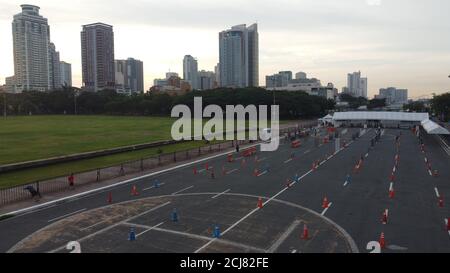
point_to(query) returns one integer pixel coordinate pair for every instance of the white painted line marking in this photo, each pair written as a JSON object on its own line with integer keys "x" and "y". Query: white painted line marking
{"x": 66, "y": 215}
{"x": 152, "y": 187}
{"x": 326, "y": 209}
{"x": 308, "y": 151}
{"x": 431, "y": 174}
{"x": 437, "y": 192}
{"x": 185, "y": 189}
{"x": 346, "y": 183}
{"x": 232, "y": 171}
{"x": 257, "y": 209}
{"x": 294, "y": 251}
{"x": 239, "y": 158}
{"x": 215, "y": 196}
{"x": 283, "y": 236}
{"x": 391, "y": 187}
{"x": 263, "y": 173}
{"x": 101, "y": 222}
{"x": 94, "y": 225}
{"x": 262, "y": 159}
{"x": 149, "y": 229}
{"x": 287, "y": 161}
{"x": 367, "y": 155}
{"x": 112, "y": 226}
{"x": 446, "y": 225}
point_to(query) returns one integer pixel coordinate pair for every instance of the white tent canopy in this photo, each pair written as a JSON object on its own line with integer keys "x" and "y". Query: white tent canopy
{"x": 389, "y": 116}
{"x": 433, "y": 128}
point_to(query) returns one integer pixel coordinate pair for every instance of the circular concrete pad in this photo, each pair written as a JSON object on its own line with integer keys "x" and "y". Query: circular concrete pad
{"x": 277, "y": 227}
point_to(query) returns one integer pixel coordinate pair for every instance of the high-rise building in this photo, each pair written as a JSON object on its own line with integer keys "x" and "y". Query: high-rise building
{"x": 239, "y": 56}
{"x": 55, "y": 67}
{"x": 32, "y": 51}
{"x": 190, "y": 71}
{"x": 282, "y": 79}
{"x": 393, "y": 95}
{"x": 206, "y": 80}
{"x": 129, "y": 76}
{"x": 356, "y": 86}
{"x": 171, "y": 74}
{"x": 66, "y": 74}
{"x": 97, "y": 50}
{"x": 217, "y": 72}
{"x": 300, "y": 76}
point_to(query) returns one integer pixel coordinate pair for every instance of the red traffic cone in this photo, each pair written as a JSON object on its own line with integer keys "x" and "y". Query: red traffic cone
{"x": 207, "y": 166}
{"x": 305, "y": 234}
{"x": 384, "y": 220}
{"x": 391, "y": 193}
{"x": 194, "y": 170}
{"x": 448, "y": 224}
{"x": 392, "y": 178}
{"x": 134, "y": 191}
{"x": 325, "y": 203}
{"x": 441, "y": 202}
{"x": 260, "y": 203}
{"x": 110, "y": 198}
{"x": 382, "y": 241}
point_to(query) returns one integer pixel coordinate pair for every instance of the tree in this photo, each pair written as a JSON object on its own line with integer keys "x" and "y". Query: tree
{"x": 441, "y": 106}
{"x": 376, "y": 103}
{"x": 415, "y": 106}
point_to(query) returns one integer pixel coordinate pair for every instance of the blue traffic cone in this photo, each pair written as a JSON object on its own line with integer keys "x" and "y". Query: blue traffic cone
{"x": 174, "y": 215}
{"x": 296, "y": 178}
{"x": 132, "y": 235}
{"x": 156, "y": 184}
{"x": 349, "y": 178}
{"x": 216, "y": 232}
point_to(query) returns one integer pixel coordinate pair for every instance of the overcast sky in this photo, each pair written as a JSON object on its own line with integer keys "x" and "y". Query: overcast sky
{"x": 402, "y": 43}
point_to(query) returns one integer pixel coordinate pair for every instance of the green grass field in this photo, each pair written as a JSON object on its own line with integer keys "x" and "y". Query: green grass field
{"x": 27, "y": 138}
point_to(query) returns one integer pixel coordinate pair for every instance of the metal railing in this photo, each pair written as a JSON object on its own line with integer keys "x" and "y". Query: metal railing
{"x": 61, "y": 184}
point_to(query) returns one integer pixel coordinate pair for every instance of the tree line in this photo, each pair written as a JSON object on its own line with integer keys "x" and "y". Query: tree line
{"x": 293, "y": 105}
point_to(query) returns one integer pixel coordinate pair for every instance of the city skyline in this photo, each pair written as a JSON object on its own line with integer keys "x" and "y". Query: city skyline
{"x": 392, "y": 47}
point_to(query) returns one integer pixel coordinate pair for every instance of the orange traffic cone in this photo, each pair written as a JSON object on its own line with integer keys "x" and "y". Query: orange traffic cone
{"x": 110, "y": 198}
{"x": 382, "y": 241}
{"x": 288, "y": 183}
{"x": 134, "y": 191}
{"x": 260, "y": 203}
{"x": 325, "y": 203}
{"x": 384, "y": 220}
{"x": 305, "y": 234}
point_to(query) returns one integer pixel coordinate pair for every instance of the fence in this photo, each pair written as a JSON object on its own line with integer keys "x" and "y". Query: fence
{"x": 60, "y": 184}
